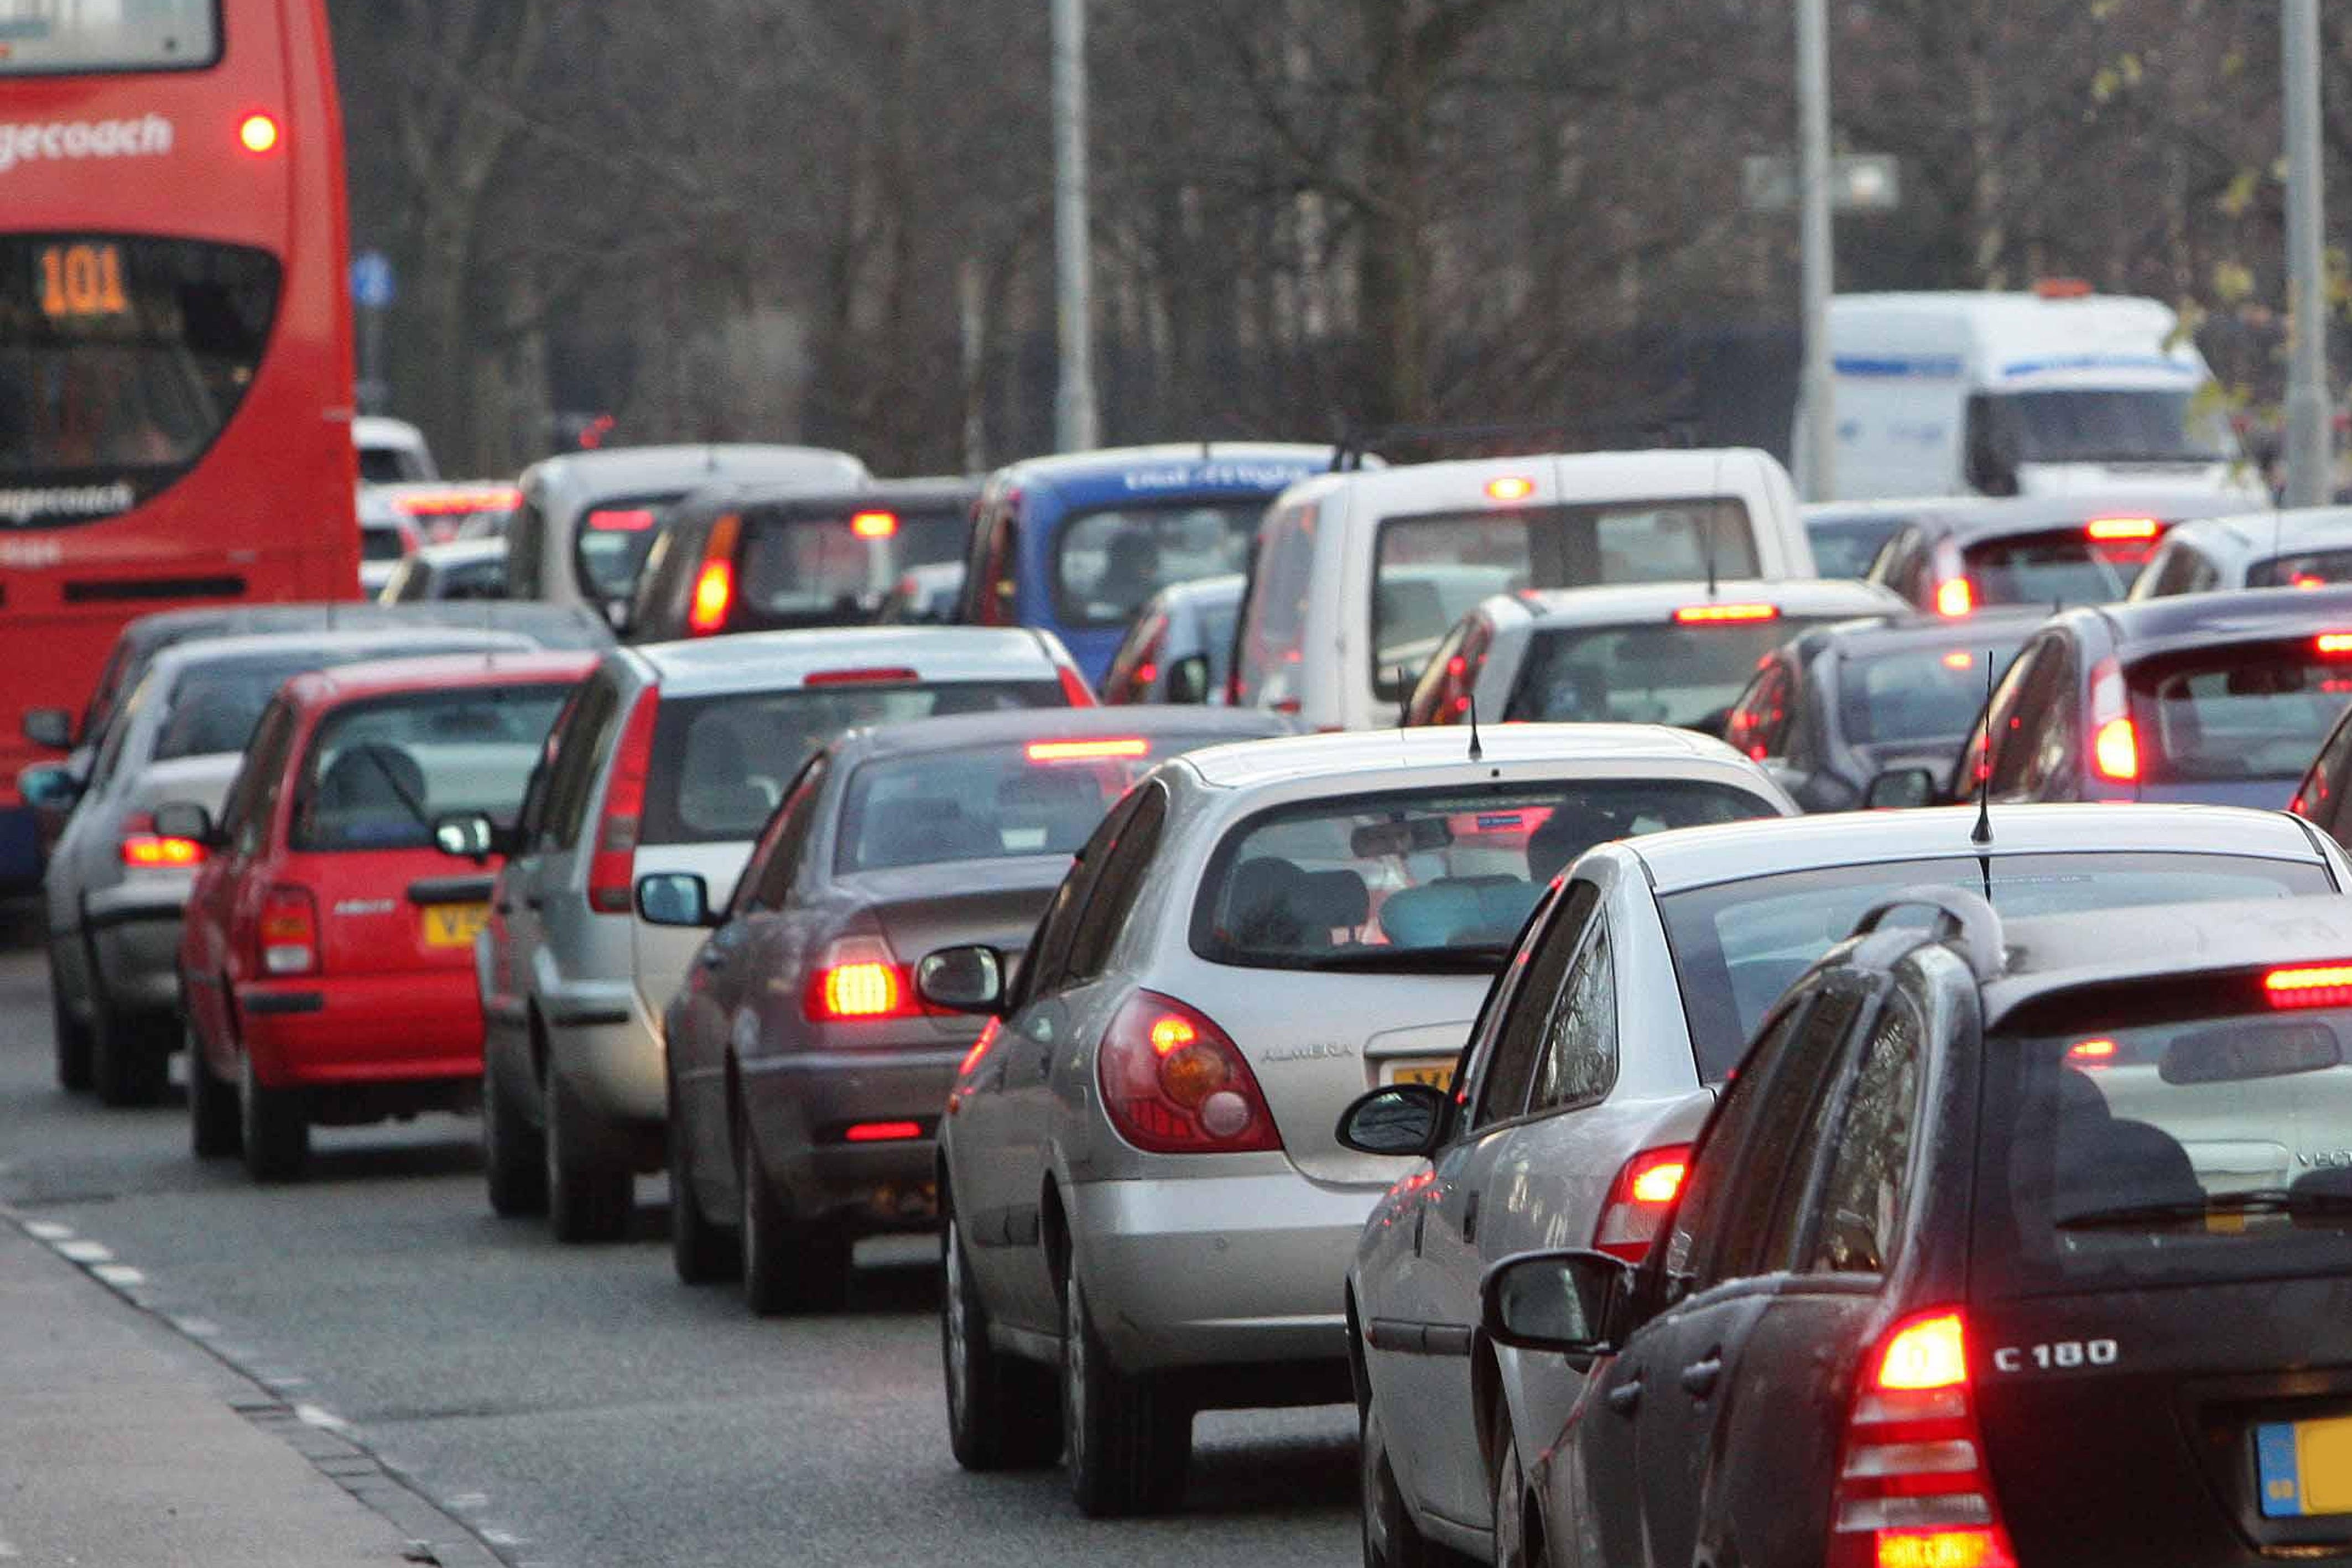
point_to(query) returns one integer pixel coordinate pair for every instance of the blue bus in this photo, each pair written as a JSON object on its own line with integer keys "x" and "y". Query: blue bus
{"x": 1076, "y": 544}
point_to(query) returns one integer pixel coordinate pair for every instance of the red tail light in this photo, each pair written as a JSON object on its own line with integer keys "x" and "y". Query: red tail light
{"x": 145, "y": 849}
{"x": 2114, "y": 740}
{"x": 881, "y": 1132}
{"x": 988, "y": 1032}
{"x": 2105, "y": 528}
{"x": 289, "y": 932}
{"x": 2314, "y": 986}
{"x": 714, "y": 585}
{"x": 1086, "y": 750}
{"x": 1724, "y": 615}
{"x": 1075, "y": 690}
{"x": 1639, "y": 1201}
{"x": 612, "y": 867}
{"x": 893, "y": 674}
{"x": 860, "y": 980}
{"x": 2334, "y": 645}
{"x": 1955, "y": 598}
{"x": 1175, "y": 1083}
{"x": 627, "y": 520}
{"x": 1912, "y": 1490}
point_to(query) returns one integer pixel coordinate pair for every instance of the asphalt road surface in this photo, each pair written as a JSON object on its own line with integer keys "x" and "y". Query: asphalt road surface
{"x": 577, "y": 1406}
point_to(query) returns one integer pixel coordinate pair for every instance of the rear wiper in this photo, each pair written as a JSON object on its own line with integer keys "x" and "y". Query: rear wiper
{"x": 2262, "y": 1200}
{"x": 1471, "y": 960}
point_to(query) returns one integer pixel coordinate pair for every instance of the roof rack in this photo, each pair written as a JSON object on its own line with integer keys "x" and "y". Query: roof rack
{"x": 1676, "y": 432}
{"x": 1967, "y": 920}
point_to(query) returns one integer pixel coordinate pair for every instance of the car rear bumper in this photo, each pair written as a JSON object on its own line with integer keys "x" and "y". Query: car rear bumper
{"x": 1219, "y": 1270}
{"x": 803, "y": 1109}
{"x": 361, "y": 1029}
{"x": 609, "y": 1051}
{"x": 134, "y": 941}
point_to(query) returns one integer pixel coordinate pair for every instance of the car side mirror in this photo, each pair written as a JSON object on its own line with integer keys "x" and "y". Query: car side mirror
{"x": 1901, "y": 788}
{"x": 49, "y": 786}
{"x": 465, "y": 835}
{"x": 1574, "y": 1302}
{"x": 616, "y": 615}
{"x": 50, "y": 729}
{"x": 962, "y": 980}
{"x": 674, "y": 898}
{"x": 1402, "y": 1119}
{"x": 185, "y": 819}
{"x": 1187, "y": 679}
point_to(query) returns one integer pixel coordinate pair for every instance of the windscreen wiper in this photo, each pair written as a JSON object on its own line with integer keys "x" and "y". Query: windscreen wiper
{"x": 1482, "y": 958}
{"x": 2262, "y": 1200}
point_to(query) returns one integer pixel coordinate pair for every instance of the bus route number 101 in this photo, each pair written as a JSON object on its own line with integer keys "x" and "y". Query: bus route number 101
{"x": 82, "y": 280}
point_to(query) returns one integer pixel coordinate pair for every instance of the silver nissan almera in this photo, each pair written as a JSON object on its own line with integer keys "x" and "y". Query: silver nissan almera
{"x": 1143, "y": 1195}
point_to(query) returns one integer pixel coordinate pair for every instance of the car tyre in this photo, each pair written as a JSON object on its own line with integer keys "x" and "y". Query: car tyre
{"x": 589, "y": 1194}
{"x": 787, "y": 1268}
{"x": 701, "y": 1252}
{"x": 1003, "y": 1413}
{"x": 129, "y": 1056}
{"x": 1391, "y": 1539}
{"x": 272, "y": 1125}
{"x": 72, "y": 1037}
{"x": 1129, "y": 1442}
{"x": 514, "y": 1153}
{"x": 214, "y": 1118}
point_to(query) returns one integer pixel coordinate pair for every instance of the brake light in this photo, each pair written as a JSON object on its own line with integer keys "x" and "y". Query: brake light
{"x": 2114, "y": 740}
{"x": 714, "y": 585}
{"x": 1955, "y": 598}
{"x": 988, "y": 1032}
{"x": 2106, "y": 528}
{"x": 2316, "y": 986}
{"x": 145, "y": 849}
{"x": 1959, "y": 659}
{"x": 289, "y": 932}
{"x": 2336, "y": 645}
{"x": 882, "y": 1131}
{"x": 623, "y": 520}
{"x": 258, "y": 134}
{"x": 2092, "y": 1052}
{"x": 1912, "y": 1490}
{"x": 1075, "y": 690}
{"x": 1639, "y": 1201}
{"x": 2061, "y": 288}
{"x": 458, "y": 503}
{"x": 1175, "y": 1083}
{"x": 860, "y": 980}
{"x": 1721, "y": 614}
{"x": 1511, "y": 488}
{"x": 2304, "y": 580}
{"x": 612, "y": 867}
{"x": 866, "y": 677}
{"x": 1086, "y": 750}
{"x": 874, "y": 525}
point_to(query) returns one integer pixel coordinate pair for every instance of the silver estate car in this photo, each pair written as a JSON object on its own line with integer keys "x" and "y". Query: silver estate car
{"x": 115, "y": 889}
{"x": 1142, "y": 1187}
{"x": 805, "y": 1079}
{"x": 671, "y": 758}
{"x": 1633, "y": 996}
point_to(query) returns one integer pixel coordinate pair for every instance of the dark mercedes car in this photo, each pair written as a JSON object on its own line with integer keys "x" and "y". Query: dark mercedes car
{"x": 806, "y": 1077}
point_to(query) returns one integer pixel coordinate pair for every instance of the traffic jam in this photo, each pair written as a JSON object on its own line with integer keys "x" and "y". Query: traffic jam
{"x": 1712, "y": 1062}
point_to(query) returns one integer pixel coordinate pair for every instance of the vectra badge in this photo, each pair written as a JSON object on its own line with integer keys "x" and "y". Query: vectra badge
{"x": 1309, "y": 1052}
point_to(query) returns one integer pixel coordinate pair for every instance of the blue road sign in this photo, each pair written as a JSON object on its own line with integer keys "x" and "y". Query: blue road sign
{"x": 372, "y": 285}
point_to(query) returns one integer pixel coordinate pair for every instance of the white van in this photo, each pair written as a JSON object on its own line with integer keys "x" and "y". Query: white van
{"x": 1357, "y": 576}
{"x": 2054, "y": 392}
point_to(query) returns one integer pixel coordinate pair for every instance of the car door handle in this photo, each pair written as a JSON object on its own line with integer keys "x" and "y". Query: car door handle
{"x": 1470, "y": 1218}
{"x": 1699, "y": 1377}
{"x": 1625, "y": 1398}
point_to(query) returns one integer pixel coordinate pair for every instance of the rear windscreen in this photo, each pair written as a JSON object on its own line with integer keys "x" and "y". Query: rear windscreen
{"x": 1015, "y": 798}
{"x": 213, "y": 707}
{"x": 720, "y": 763}
{"x": 379, "y": 771}
{"x": 2214, "y": 1143}
{"x": 809, "y": 571}
{"x": 2223, "y": 714}
{"x": 122, "y": 360}
{"x": 1844, "y": 546}
{"x": 1917, "y": 695}
{"x": 53, "y": 39}
{"x": 1430, "y": 571}
{"x": 1657, "y": 673}
{"x": 1739, "y": 944}
{"x": 382, "y": 544}
{"x": 612, "y": 539}
{"x": 2312, "y": 569}
{"x": 2060, "y": 568}
{"x": 1431, "y": 881}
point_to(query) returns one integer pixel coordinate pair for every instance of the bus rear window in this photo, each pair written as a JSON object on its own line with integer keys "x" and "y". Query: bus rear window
{"x": 128, "y": 35}
{"x": 122, "y": 360}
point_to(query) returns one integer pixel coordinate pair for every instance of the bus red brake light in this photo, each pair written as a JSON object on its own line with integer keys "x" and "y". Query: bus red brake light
{"x": 1723, "y": 614}
{"x": 258, "y": 134}
{"x": 1955, "y": 599}
{"x": 1639, "y": 1201}
{"x": 612, "y": 867}
{"x": 1086, "y": 750}
{"x": 2107, "y": 528}
{"x": 874, "y": 525}
{"x": 1175, "y": 1083}
{"x": 2312, "y": 986}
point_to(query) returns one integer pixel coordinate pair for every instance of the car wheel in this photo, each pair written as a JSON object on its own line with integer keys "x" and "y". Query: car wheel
{"x": 1391, "y": 1539}
{"x": 1509, "y": 1499}
{"x": 129, "y": 1055}
{"x": 589, "y": 1191}
{"x": 1003, "y": 1412}
{"x": 214, "y": 1117}
{"x": 1129, "y": 1443}
{"x": 72, "y": 1037}
{"x": 514, "y": 1153}
{"x": 271, "y": 1123}
{"x": 701, "y": 1252}
{"x": 787, "y": 1268}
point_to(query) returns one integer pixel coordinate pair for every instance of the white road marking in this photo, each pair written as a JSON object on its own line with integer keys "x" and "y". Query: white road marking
{"x": 86, "y": 1252}
{"x": 120, "y": 1275}
{"x": 48, "y": 1230}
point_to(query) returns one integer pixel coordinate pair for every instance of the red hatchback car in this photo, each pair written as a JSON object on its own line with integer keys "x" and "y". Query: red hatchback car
{"x": 327, "y": 961}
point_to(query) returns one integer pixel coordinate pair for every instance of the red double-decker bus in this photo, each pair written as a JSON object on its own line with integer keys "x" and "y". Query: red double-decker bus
{"x": 175, "y": 336}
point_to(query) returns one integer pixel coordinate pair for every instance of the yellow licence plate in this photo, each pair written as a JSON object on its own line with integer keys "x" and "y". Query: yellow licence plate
{"x": 1437, "y": 1075}
{"x": 454, "y": 924}
{"x": 2306, "y": 1467}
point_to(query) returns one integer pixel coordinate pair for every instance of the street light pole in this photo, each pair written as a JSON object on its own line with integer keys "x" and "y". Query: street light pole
{"x": 1074, "y": 399}
{"x": 2309, "y": 428}
{"x": 1818, "y": 461}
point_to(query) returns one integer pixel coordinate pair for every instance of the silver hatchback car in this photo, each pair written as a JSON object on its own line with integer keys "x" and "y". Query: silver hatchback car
{"x": 1140, "y": 1175}
{"x": 670, "y": 759}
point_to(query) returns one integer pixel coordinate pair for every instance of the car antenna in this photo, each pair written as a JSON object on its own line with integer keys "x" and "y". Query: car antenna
{"x": 1714, "y": 512}
{"x": 1982, "y": 832}
{"x": 1477, "y": 752}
